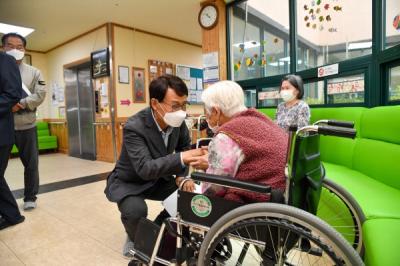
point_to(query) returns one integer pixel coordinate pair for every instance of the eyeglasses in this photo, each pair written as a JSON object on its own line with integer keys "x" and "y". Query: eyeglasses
{"x": 11, "y": 47}
{"x": 176, "y": 107}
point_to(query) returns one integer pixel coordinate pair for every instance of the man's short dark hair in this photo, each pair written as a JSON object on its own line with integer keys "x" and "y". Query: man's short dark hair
{"x": 160, "y": 85}
{"x": 297, "y": 82}
{"x": 12, "y": 34}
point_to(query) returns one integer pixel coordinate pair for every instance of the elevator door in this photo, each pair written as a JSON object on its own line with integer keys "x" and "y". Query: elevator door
{"x": 80, "y": 112}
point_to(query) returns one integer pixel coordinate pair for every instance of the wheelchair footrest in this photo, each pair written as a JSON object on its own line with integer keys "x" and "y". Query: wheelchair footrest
{"x": 145, "y": 239}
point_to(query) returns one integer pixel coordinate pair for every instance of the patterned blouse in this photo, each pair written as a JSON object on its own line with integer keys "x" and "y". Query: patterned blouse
{"x": 224, "y": 158}
{"x": 298, "y": 114}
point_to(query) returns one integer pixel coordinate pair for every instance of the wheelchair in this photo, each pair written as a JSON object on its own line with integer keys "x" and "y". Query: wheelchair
{"x": 283, "y": 231}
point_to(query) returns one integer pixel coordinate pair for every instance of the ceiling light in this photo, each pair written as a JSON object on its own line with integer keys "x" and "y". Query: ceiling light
{"x": 359, "y": 45}
{"x": 7, "y": 28}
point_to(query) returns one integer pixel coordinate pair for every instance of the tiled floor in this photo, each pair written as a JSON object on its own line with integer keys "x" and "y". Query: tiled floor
{"x": 74, "y": 226}
{"x": 55, "y": 167}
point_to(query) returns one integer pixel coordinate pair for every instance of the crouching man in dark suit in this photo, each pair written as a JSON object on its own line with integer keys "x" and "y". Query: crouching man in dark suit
{"x": 154, "y": 154}
{"x": 10, "y": 94}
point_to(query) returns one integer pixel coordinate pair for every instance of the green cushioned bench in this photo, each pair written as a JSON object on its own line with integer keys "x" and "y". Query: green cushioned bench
{"x": 45, "y": 140}
{"x": 369, "y": 168}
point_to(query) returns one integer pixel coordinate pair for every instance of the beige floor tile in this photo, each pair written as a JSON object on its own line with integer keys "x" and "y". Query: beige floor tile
{"x": 40, "y": 228}
{"x": 74, "y": 226}
{"x": 7, "y": 257}
{"x": 55, "y": 167}
{"x": 76, "y": 249}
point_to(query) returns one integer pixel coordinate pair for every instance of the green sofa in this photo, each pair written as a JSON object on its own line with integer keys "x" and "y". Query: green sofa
{"x": 369, "y": 168}
{"x": 45, "y": 140}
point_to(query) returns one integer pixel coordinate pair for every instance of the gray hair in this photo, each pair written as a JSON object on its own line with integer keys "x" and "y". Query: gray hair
{"x": 226, "y": 95}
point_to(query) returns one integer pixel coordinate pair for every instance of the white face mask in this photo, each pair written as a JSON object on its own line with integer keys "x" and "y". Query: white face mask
{"x": 287, "y": 95}
{"x": 17, "y": 54}
{"x": 214, "y": 129}
{"x": 174, "y": 119}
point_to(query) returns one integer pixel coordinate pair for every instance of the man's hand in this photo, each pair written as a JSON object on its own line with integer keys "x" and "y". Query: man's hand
{"x": 188, "y": 184}
{"x": 191, "y": 155}
{"x": 17, "y": 107}
{"x": 200, "y": 162}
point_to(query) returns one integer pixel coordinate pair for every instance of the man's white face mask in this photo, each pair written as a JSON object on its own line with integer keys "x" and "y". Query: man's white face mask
{"x": 174, "y": 119}
{"x": 17, "y": 54}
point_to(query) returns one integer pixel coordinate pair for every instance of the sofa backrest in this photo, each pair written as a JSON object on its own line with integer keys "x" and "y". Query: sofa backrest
{"x": 42, "y": 128}
{"x": 377, "y": 151}
{"x": 333, "y": 149}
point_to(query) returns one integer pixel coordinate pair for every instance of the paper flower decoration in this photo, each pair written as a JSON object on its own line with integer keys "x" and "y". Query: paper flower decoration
{"x": 337, "y": 8}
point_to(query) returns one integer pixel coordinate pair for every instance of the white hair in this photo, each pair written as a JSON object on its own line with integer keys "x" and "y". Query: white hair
{"x": 226, "y": 95}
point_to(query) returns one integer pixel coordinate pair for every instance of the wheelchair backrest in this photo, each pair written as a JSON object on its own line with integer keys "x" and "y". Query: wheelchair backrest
{"x": 306, "y": 175}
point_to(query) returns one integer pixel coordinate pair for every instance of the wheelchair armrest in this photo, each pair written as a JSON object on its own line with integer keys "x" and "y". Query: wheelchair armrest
{"x": 230, "y": 182}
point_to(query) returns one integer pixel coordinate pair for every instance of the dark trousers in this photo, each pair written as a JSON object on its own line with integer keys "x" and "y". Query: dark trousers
{"x": 27, "y": 144}
{"x": 8, "y": 206}
{"x": 133, "y": 208}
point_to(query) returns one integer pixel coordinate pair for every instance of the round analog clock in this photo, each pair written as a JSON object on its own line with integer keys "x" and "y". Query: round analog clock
{"x": 208, "y": 16}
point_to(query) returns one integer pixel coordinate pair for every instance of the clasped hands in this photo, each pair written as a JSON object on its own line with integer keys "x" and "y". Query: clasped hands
{"x": 198, "y": 158}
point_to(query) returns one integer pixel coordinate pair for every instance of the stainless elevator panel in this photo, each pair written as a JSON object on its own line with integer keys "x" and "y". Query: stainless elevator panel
{"x": 86, "y": 114}
{"x": 79, "y": 101}
{"x": 72, "y": 112}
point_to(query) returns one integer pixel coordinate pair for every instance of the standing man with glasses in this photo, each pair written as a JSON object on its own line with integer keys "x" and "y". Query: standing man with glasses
{"x": 154, "y": 155}
{"x": 33, "y": 94}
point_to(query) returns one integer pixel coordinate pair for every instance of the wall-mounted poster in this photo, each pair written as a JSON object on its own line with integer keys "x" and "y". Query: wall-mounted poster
{"x": 139, "y": 89}
{"x": 100, "y": 63}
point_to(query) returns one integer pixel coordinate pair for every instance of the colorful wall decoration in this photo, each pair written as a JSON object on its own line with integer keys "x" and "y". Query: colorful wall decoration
{"x": 318, "y": 14}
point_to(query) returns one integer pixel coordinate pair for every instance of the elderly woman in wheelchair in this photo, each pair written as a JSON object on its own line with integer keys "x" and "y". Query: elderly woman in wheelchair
{"x": 261, "y": 193}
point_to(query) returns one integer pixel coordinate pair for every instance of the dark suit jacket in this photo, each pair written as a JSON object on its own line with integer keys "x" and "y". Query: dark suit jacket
{"x": 10, "y": 94}
{"x": 144, "y": 158}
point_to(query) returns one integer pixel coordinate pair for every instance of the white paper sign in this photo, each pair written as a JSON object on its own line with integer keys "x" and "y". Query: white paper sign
{"x": 210, "y": 60}
{"x": 328, "y": 70}
{"x": 211, "y": 74}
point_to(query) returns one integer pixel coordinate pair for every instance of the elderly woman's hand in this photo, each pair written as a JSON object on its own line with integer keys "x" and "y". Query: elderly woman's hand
{"x": 200, "y": 162}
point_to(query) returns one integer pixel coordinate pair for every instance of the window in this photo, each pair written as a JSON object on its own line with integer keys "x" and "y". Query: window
{"x": 328, "y": 33}
{"x": 314, "y": 92}
{"x": 394, "y": 84}
{"x": 269, "y": 97}
{"x": 259, "y": 39}
{"x": 348, "y": 89}
{"x": 392, "y": 23}
{"x": 250, "y": 98}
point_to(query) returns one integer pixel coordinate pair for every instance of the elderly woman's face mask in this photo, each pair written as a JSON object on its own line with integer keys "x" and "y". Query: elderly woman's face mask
{"x": 214, "y": 115}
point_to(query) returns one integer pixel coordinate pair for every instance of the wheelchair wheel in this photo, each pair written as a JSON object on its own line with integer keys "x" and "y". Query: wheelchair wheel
{"x": 339, "y": 209}
{"x": 276, "y": 234}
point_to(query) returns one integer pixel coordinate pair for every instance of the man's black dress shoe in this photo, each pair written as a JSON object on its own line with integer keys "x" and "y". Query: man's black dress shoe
{"x": 4, "y": 223}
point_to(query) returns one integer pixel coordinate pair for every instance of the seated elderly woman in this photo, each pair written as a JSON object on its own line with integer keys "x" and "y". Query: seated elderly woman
{"x": 247, "y": 145}
{"x": 293, "y": 111}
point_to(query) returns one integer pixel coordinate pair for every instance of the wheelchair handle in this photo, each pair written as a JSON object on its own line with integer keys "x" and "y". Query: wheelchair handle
{"x": 337, "y": 123}
{"x": 337, "y": 131}
{"x": 348, "y": 124}
{"x": 230, "y": 182}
